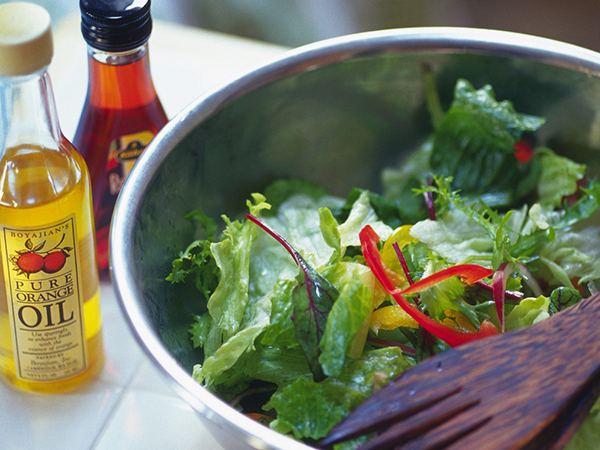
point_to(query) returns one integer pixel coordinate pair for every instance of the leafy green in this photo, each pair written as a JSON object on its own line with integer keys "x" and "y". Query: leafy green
{"x": 583, "y": 208}
{"x": 576, "y": 254}
{"x": 527, "y": 312}
{"x": 281, "y": 329}
{"x": 196, "y": 263}
{"x": 404, "y": 208}
{"x": 278, "y": 365}
{"x": 313, "y": 299}
{"x": 474, "y": 145}
{"x": 207, "y": 224}
{"x": 232, "y": 255}
{"x": 298, "y": 221}
{"x": 281, "y": 190}
{"x": 361, "y": 214}
{"x": 558, "y": 178}
{"x": 200, "y": 329}
{"x": 331, "y": 232}
{"x": 455, "y": 237}
{"x": 271, "y": 364}
{"x": 309, "y": 409}
{"x": 255, "y": 321}
{"x": 347, "y": 316}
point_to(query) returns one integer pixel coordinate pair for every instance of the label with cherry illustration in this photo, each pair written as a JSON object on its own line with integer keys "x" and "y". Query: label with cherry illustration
{"x": 45, "y": 301}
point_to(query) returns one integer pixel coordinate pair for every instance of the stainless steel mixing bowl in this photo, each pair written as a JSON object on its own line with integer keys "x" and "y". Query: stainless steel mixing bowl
{"x": 335, "y": 113}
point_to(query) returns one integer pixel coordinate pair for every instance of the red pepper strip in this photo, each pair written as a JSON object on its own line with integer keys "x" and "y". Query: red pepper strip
{"x": 470, "y": 274}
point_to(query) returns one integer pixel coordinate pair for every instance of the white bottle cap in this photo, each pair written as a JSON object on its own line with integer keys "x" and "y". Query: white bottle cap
{"x": 25, "y": 38}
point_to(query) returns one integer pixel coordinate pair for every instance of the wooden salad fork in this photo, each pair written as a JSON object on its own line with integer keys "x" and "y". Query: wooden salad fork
{"x": 526, "y": 389}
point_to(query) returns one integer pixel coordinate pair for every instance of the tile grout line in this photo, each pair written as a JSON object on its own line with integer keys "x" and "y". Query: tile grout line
{"x": 124, "y": 390}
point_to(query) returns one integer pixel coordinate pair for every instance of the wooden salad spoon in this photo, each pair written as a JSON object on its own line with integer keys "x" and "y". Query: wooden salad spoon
{"x": 526, "y": 389}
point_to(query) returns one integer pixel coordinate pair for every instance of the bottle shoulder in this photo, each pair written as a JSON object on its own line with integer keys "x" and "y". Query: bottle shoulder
{"x": 120, "y": 85}
{"x": 33, "y": 175}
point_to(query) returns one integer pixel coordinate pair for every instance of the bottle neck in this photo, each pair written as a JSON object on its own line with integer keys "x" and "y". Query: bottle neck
{"x": 28, "y": 114}
{"x": 120, "y": 80}
{"x": 120, "y": 58}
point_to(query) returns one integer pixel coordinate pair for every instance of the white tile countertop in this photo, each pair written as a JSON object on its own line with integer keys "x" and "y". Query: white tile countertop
{"x": 130, "y": 406}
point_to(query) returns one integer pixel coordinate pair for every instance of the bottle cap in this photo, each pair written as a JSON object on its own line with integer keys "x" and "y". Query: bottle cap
{"x": 115, "y": 25}
{"x": 25, "y": 38}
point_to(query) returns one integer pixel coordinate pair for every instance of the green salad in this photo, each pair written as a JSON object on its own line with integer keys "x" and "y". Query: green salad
{"x": 314, "y": 301}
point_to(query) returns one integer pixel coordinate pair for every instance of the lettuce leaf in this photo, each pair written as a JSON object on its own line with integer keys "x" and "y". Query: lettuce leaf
{"x": 455, "y": 237}
{"x": 232, "y": 255}
{"x": 475, "y": 146}
{"x": 281, "y": 329}
{"x": 309, "y": 410}
{"x": 196, "y": 263}
{"x": 313, "y": 300}
{"x": 256, "y": 318}
{"x": 347, "y": 317}
{"x": 574, "y": 252}
{"x": 331, "y": 233}
{"x": 281, "y": 190}
{"x": 406, "y": 207}
{"x": 361, "y": 214}
{"x": 583, "y": 208}
{"x": 271, "y": 364}
{"x": 558, "y": 178}
{"x": 200, "y": 330}
{"x": 527, "y": 312}
{"x": 298, "y": 221}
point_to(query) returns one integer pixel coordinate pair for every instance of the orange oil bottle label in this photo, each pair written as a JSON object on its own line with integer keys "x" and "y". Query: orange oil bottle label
{"x": 123, "y": 153}
{"x": 45, "y": 300}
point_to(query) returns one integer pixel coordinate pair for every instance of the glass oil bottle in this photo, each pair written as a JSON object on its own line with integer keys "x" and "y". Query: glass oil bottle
{"x": 50, "y": 320}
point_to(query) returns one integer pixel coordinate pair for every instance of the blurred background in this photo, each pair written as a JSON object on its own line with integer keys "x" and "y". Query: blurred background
{"x": 297, "y": 22}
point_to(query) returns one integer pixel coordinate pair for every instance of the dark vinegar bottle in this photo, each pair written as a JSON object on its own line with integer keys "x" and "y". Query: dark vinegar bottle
{"x": 122, "y": 111}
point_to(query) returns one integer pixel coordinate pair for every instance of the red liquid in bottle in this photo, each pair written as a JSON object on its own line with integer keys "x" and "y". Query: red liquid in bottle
{"x": 122, "y": 113}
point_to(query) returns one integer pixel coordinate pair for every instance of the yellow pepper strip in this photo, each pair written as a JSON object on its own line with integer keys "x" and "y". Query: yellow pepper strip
{"x": 458, "y": 321}
{"x": 390, "y": 318}
{"x": 402, "y": 237}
